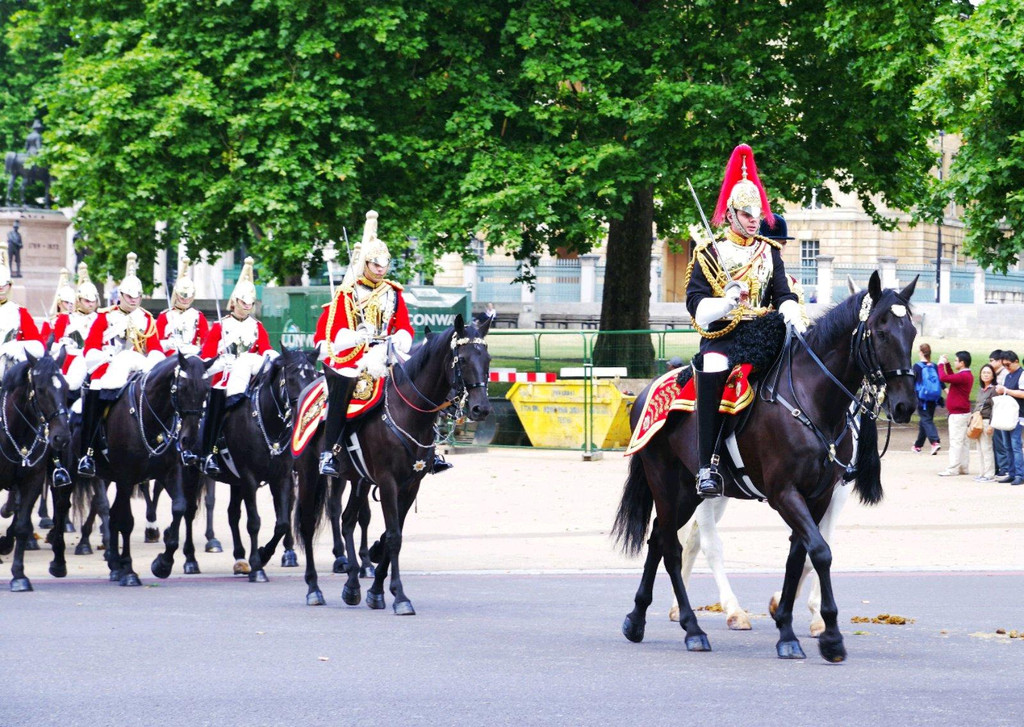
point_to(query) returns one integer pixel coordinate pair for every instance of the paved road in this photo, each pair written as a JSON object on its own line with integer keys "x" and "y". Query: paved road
{"x": 497, "y": 650}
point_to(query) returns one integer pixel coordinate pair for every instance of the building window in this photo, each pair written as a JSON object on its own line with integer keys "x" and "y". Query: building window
{"x": 809, "y": 251}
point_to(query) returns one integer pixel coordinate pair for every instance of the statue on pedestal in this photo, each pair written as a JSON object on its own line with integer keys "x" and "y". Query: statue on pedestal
{"x": 22, "y": 165}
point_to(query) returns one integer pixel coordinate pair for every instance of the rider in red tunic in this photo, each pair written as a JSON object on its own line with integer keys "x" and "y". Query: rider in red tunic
{"x": 121, "y": 341}
{"x": 18, "y": 331}
{"x": 353, "y": 331}
{"x": 181, "y": 327}
{"x": 241, "y": 345}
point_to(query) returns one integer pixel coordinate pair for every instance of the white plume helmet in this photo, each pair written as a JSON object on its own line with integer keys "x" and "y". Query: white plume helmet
{"x": 130, "y": 284}
{"x": 374, "y": 249}
{"x": 86, "y": 290}
{"x": 65, "y": 293}
{"x": 245, "y": 288}
{"x": 183, "y": 286}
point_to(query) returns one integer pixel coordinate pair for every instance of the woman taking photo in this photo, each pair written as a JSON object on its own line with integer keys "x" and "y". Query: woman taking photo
{"x": 987, "y": 388}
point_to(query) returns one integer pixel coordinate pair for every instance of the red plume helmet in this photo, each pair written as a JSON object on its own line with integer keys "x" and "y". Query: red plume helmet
{"x": 741, "y": 187}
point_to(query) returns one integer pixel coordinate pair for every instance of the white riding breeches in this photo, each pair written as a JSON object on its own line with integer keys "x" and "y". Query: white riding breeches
{"x": 124, "y": 364}
{"x": 715, "y": 362}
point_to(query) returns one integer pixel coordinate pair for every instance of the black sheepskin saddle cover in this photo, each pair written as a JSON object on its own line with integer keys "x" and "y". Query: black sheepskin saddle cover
{"x": 758, "y": 343}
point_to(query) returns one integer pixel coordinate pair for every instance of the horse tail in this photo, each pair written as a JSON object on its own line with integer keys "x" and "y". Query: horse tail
{"x": 81, "y": 498}
{"x": 634, "y": 513}
{"x": 319, "y": 501}
{"x": 869, "y": 464}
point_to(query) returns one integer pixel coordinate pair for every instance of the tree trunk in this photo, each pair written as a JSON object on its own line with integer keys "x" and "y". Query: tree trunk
{"x": 626, "y": 303}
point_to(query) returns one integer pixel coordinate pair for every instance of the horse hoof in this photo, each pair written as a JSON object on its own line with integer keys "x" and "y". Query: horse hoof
{"x": 817, "y": 626}
{"x": 69, "y": 527}
{"x": 161, "y": 566}
{"x": 367, "y": 571}
{"x": 83, "y": 549}
{"x": 289, "y": 559}
{"x": 698, "y": 642}
{"x": 340, "y": 565}
{"x": 738, "y": 621}
{"x": 790, "y": 650}
{"x": 115, "y": 576}
{"x": 375, "y": 600}
{"x": 130, "y": 579}
{"x": 241, "y": 568}
{"x": 832, "y": 650}
{"x": 58, "y": 570}
{"x": 258, "y": 576}
{"x": 152, "y": 535}
{"x": 6, "y": 545}
{"x": 351, "y": 596}
{"x": 633, "y": 631}
{"x": 315, "y": 598}
{"x": 213, "y": 546}
{"x": 32, "y": 543}
{"x": 673, "y": 614}
{"x": 45, "y": 523}
{"x": 376, "y": 552}
{"x": 20, "y": 585}
{"x": 191, "y": 568}
{"x": 403, "y": 608}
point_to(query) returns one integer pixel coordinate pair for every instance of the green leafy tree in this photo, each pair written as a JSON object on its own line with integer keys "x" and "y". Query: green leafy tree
{"x": 540, "y": 125}
{"x": 977, "y": 91}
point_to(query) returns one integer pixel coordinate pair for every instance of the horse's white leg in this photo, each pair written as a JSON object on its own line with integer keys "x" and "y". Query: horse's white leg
{"x": 704, "y": 526}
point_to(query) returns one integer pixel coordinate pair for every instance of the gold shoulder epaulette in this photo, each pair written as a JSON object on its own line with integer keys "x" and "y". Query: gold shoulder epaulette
{"x": 394, "y": 284}
{"x": 108, "y": 309}
{"x": 774, "y": 243}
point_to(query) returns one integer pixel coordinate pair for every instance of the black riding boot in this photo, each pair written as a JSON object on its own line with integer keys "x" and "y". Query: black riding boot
{"x": 339, "y": 394}
{"x": 92, "y": 408}
{"x": 708, "y": 387}
{"x": 440, "y": 464}
{"x": 212, "y": 424}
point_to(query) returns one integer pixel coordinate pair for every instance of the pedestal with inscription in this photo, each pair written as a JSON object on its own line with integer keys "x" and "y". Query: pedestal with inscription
{"x": 44, "y": 237}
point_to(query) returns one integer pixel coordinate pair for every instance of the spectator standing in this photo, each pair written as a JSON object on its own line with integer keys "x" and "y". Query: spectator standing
{"x": 958, "y": 403}
{"x": 1000, "y": 439}
{"x": 986, "y": 390}
{"x": 927, "y": 400}
{"x": 1012, "y": 385}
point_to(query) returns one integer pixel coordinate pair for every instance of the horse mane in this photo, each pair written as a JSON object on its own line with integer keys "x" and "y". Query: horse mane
{"x": 836, "y": 323}
{"x": 13, "y": 374}
{"x": 422, "y": 353}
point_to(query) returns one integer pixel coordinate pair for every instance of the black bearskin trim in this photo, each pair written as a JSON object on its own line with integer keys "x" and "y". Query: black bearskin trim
{"x": 758, "y": 342}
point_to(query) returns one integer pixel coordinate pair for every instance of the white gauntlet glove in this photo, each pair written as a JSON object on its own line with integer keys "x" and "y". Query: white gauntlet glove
{"x": 710, "y": 310}
{"x": 793, "y": 315}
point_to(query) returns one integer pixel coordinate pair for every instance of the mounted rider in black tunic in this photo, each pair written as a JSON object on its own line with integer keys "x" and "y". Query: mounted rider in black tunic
{"x": 731, "y": 280}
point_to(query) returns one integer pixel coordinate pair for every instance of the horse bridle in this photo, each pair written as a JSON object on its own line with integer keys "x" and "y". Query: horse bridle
{"x": 872, "y": 396}
{"x": 459, "y": 391}
{"x": 284, "y": 413}
{"x": 41, "y": 433}
{"x": 171, "y": 432}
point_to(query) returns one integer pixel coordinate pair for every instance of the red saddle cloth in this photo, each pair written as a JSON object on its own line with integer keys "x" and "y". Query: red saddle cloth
{"x": 667, "y": 396}
{"x": 312, "y": 410}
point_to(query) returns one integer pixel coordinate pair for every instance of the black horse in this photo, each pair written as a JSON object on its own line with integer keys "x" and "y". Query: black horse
{"x": 343, "y": 525}
{"x": 33, "y": 430}
{"x": 148, "y": 429}
{"x": 447, "y": 372}
{"x": 793, "y": 445}
{"x": 16, "y": 165}
{"x": 257, "y": 434}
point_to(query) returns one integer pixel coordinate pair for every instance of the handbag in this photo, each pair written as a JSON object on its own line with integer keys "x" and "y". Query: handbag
{"x": 975, "y": 426}
{"x": 1005, "y": 412}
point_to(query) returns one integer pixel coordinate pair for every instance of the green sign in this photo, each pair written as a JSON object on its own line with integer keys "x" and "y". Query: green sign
{"x": 290, "y": 313}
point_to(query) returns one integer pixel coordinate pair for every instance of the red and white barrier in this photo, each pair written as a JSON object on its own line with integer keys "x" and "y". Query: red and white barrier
{"x": 510, "y": 375}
